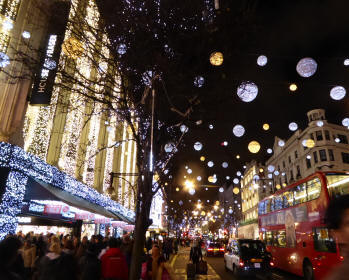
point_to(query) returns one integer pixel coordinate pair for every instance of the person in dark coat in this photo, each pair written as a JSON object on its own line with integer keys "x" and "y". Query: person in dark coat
{"x": 195, "y": 253}
{"x": 89, "y": 264}
{"x": 11, "y": 262}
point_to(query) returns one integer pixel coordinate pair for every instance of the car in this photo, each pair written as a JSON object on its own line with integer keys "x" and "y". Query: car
{"x": 248, "y": 257}
{"x": 215, "y": 249}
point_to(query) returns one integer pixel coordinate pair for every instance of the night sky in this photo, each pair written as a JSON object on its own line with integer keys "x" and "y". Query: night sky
{"x": 284, "y": 31}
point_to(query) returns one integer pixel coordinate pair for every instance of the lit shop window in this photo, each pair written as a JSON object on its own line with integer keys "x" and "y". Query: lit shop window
{"x": 9, "y": 8}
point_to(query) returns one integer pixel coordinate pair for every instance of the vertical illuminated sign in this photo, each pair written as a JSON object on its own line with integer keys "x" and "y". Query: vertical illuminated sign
{"x": 45, "y": 76}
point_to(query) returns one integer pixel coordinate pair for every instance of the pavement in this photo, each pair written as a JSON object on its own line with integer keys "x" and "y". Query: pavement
{"x": 216, "y": 269}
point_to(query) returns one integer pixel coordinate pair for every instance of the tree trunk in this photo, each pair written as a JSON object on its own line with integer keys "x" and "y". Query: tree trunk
{"x": 142, "y": 223}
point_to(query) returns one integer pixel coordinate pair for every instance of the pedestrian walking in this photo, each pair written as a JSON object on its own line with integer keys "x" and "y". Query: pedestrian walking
{"x": 337, "y": 219}
{"x": 195, "y": 253}
{"x": 89, "y": 264}
{"x": 28, "y": 252}
{"x": 11, "y": 268}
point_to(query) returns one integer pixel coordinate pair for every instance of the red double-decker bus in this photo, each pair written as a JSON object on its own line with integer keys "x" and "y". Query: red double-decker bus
{"x": 291, "y": 223}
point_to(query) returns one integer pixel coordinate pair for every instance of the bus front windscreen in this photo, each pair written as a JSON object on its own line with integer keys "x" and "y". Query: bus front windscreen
{"x": 337, "y": 184}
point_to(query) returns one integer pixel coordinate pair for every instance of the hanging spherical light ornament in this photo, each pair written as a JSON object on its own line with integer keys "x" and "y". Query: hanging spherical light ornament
{"x": 230, "y": 211}
{"x": 73, "y": 48}
{"x": 225, "y": 165}
{"x": 191, "y": 191}
{"x": 197, "y": 146}
{"x": 338, "y": 93}
{"x": 281, "y": 143}
{"x": 236, "y": 190}
{"x": 198, "y": 178}
{"x": 238, "y": 130}
{"x": 346, "y": 62}
{"x": 210, "y": 126}
{"x": 276, "y": 173}
{"x": 247, "y": 91}
{"x": 254, "y": 147}
{"x": 184, "y": 128}
{"x": 293, "y": 126}
{"x": 180, "y": 202}
{"x": 278, "y": 186}
{"x": 210, "y": 164}
{"x": 199, "y": 81}
{"x": 237, "y": 156}
{"x": 212, "y": 179}
{"x": 266, "y": 126}
{"x": 189, "y": 171}
{"x": 170, "y": 147}
{"x": 177, "y": 189}
{"x": 262, "y": 60}
{"x": 238, "y": 173}
{"x": 202, "y": 158}
{"x": 122, "y": 49}
{"x": 4, "y": 60}
{"x": 337, "y": 140}
{"x": 26, "y": 34}
{"x": 269, "y": 151}
{"x": 345, "y": 122}
{"x": 236, "y": 181}
{"x": 320, "y": 123}
{"x": 308, "y": 156}
{"x": 271, "y": 168}
{"x": 306, "y": 67}
{"x": 221, "y": 189}
{"x": 227, "y": 177}
{"x": 308, "y": 143}
{"x": 216, "y": 58}
{"x": 293, "y": 87}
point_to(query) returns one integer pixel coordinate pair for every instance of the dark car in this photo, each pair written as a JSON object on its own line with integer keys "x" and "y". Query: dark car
{"x": 248, "y": 257}
{"x": 215, "y": 249}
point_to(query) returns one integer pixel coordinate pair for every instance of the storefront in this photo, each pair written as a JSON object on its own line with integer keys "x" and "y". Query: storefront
{"x": 38, "y": 197}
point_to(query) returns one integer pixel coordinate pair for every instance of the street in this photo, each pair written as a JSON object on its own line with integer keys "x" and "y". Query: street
{"x": 216, "y": 269}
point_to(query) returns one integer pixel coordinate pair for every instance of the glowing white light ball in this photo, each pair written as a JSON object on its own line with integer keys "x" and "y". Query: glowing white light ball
{"x": 197, "y": 146}
{"x": 4, "y": 60}
{"x": 26, "y": 34}
{"x": 189, "y": 171}
{"x": 225, "y": 165}
{"x": 281, "y": 143}
{"x": 236, "y": 181}
{"x": 198, "y": 178}
{"x": 320, "y": 123}
{"x": 122, "y": 49}
{"x": 199, "y": 81}
{"x": 227, "y": 177}
{"x": 337, "y": 140}
{"x": 346, "y": 62}
{"x": 184, "y": 128}
{"x": 293, "y": 126}
{"x": 270, "y": 175}
{"x": 191, "y": 191}
{"x": 338, "y": 93}
{"x": 225, "y": 143}
{"x": 221, "y": 189}
{"x": 170, "y": 147}
{"x": 7, "y": 24}
{"x": 345, "y": 122}
{"x": 238, "y": 130}
{"x": 244, "y": 167}
{"x": 210, "y": 126}
{"x": 230, "y": 211}
{"x": 210, "y": 164}
{"x": 308, "y": 156}
{"x": 271, "y": 168}
{"x": 247, "y": 91}
{"x": 283, "y": 173}
{"x": 276, "y": 173}
{"x": 269, "y": 151}
{"x": 306, "y": 67}
{"x": 262, "y": 60}
{"x": 238, "y": 173}
{"x": 180, "y": 202}
{"x": 256, "y": 177}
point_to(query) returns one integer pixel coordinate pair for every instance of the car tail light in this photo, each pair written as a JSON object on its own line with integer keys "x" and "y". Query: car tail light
{"x": 221, "y": 249}
{"x": 272, "y": 263}
{"x": 209, "y": 249}
{"x": 241, "y": 263}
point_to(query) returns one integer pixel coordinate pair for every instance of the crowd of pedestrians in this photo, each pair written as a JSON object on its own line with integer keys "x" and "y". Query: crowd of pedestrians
{"x": 51, "y": 257}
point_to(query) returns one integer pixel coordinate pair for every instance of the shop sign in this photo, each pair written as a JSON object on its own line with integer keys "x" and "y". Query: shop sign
{"x": 24, "y": 220}
{"x": 84, "y": 216}
{"x": 102, "y": 221}
{"x": 52, "y": 209}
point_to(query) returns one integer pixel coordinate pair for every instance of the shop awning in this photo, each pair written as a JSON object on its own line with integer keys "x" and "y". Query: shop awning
{"x": 37, "y": 190}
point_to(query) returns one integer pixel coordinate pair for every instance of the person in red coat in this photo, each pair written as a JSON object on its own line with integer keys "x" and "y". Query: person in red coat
{"x": 114, "y": 266}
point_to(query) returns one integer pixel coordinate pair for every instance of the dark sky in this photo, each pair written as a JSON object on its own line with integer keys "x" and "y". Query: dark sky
{"x": 284, "y": 31}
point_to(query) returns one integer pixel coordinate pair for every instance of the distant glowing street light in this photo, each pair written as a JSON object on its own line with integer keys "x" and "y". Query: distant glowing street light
{"x": 189, "y": 184}
{"x": 293, "y": 87}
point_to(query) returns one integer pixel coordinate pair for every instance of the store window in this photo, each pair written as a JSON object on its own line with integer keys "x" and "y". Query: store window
{"x": 345, "y": 157}
{"x": 300, "y": 194}
{"x": 330, "y": 154}
{"x": 327, "y": 135}
{"x": 323, "y": 242}
{"x": 315, "y": 157}
{"x": 323, "y": 156}
{"x": 313, "y": 189}
{"x": 319, "y": 136}
{"x": 343, "y": 139}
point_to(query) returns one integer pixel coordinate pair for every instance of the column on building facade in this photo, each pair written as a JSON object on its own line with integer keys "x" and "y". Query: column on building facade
{"x": 116, "y": 159}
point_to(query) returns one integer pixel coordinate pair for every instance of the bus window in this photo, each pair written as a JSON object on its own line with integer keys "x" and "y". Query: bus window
{"x": 313, "y": 189}
{"x": 278, "y": 203}
{"x": 269, "y": 238}
{"x": 322, "y": 241}
{"x": 300, "y": 194}
{"x": 261, "y": 208}
{"x": 287, "y": 199}
{"x": 337, "y": 184}
{"x": 281, "y": 238}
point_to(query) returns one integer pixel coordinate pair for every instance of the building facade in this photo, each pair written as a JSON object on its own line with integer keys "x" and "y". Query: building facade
{"x": 321, "y": 146}
{"x": 254, "y": 187}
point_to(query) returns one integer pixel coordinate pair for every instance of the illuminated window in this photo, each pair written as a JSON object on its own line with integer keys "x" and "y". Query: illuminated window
{"x": 313, "y": 189}
{"x": 9, "y": 8}
{"x": 323, "y": 242}
{"x": 300, "y": 194}
{"x": 4, "y": 41}
{"x": 337, "y": 185}
{"x": 287, "y": 199}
